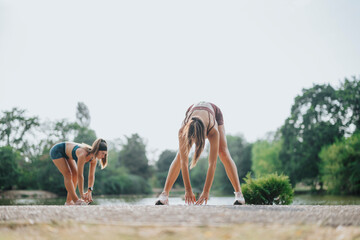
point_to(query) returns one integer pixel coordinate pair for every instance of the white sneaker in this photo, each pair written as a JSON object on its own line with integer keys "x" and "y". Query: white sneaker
{"x": 69, "y": 203}
{"x": 162, "y": 200}
{"x": 80, "y": 202}
{"x": 239, "y": 198}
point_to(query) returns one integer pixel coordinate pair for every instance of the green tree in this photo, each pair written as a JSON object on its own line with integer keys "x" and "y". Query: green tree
{"x": 28, "y": 173}
{"x": 48, "y": 176}
{"x": 85, "y": 135}
{"x": 60, "y": 131}
{"x": 38, "y": 171}
{"x": 127, "y": 170}
{"x": 240, "y": 152}
{"x": 114, "y": 148}
{"x": 9, "y": 169}
{"x": 265, "y": 157}
{"x": 163, "y": 165}
{"x": 133, "y": 156}
{"x": 104, "y": 178}
{"x": 198, "y": 175}
{"x": 83, "y": 115}
{"x": 118, "y": 181}
{"x": 315, "y": 121}
{"x": 15, "y": 126}
{"x": 349, "y": 97}
{"x": 340, "y": 165}
{"x": 53, "y": 132}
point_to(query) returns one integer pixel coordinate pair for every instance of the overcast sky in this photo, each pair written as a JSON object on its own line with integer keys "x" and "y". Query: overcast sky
{"x": 138, "y": 65}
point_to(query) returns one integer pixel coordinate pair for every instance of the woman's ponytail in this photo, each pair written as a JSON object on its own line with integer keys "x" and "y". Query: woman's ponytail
{"x": 194, "y": 132}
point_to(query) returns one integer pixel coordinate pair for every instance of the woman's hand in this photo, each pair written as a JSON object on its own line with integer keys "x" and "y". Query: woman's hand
{"x": 189, "y": 197}
{"x": 203, "y": 197}
{"x": 84, "y": 196}
{"x": 90, "y": 196}
{"x": 87, "y": 197}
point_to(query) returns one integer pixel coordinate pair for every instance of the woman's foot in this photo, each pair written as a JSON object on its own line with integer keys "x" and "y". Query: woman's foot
{"x": 163, "y": 199}
{"x": 80, "y": 202}
{"x": 69, "y": 203}
{"x": 239, "y": 198}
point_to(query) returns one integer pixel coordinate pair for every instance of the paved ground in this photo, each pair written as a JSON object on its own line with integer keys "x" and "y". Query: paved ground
{"x": 180, "y": 222}
{"x": 332, "y": 216}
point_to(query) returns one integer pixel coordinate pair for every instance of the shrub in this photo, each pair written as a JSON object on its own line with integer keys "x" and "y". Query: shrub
{"x": 268, "y": 190}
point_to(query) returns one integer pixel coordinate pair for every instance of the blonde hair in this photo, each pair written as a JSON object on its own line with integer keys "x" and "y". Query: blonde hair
{"x": 194, "y": 132}
{"x": 95, "y": 149}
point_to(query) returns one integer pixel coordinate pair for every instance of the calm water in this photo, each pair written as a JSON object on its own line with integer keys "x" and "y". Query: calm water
{"x": 150, "y": 200}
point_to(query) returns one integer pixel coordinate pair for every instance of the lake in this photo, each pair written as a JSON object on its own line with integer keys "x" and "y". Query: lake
{"x": 301, "y": 199}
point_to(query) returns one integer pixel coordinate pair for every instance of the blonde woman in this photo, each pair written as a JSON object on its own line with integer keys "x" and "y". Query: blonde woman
{"x": 70, "y": 158}
{"x": 202, "y": 120}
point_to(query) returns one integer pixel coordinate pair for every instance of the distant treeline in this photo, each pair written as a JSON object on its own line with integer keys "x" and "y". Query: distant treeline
{"x": 318, "y": 145}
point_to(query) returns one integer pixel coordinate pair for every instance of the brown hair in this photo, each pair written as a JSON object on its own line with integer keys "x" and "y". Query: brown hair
{"x": 194, "y": 132}
{"x": 95, "y": 148}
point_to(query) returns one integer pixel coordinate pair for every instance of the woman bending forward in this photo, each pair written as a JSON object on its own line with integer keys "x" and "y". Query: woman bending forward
{"x": 202, "y": 120}
{"x": 70, "y": 159}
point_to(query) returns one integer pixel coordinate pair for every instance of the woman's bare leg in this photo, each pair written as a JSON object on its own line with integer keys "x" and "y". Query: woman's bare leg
{"x": 68, "y": 198}
{"x": 64, "y": 168}
{"x": 73, "y": 168}
{"x": 229, "y": 164}
{"x": 173, "y": 174}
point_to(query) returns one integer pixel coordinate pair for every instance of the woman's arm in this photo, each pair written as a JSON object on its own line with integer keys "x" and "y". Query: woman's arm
{"x": 184, "y": 162}
{"x": 91, "y": 181}
{"x": 92, "y": 168}
{"x": 214, "y": 152}
{"x": 80, "y": 175}
{"x": 185, "y": 172}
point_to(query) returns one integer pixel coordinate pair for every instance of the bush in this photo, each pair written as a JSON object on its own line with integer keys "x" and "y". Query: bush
{"x": 268, "y": 190}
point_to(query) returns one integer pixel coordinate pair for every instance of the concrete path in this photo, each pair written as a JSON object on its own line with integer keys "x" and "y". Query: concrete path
{"x": 331, "y": 216}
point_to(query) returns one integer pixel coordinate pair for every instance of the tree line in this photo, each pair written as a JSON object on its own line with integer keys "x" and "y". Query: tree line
{"x": 318, "y": 145}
